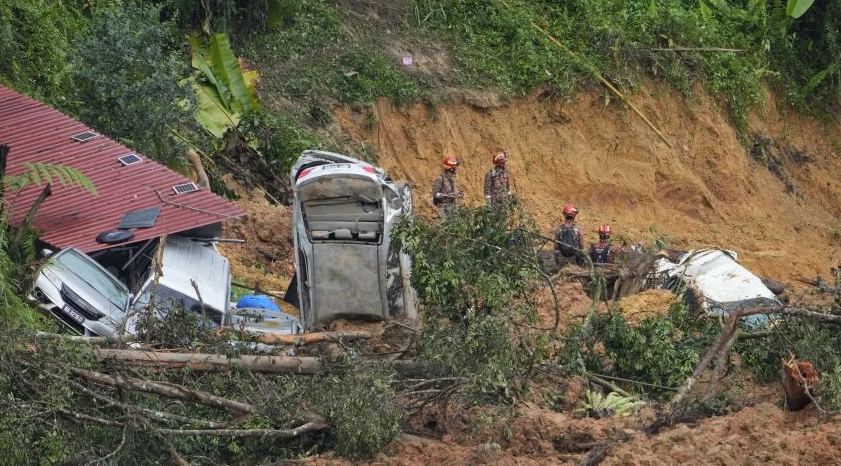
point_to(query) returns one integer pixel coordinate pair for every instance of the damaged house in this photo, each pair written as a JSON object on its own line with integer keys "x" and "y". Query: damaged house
{"x": 101, "y": 246}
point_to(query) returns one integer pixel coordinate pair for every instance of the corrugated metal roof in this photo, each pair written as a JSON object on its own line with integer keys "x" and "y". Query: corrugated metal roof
{"x": 36, "y": 132}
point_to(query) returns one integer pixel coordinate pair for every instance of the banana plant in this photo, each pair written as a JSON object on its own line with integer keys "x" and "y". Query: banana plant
{"x": 796, "y": 8}
{"x": 224, "y": 92}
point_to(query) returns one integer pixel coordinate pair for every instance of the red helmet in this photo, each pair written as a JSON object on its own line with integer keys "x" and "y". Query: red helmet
{"x": 604, "y": 229}
{"x": 450, "y": 162}
{"x": 570, "y": 211}
{"x": 500, "y": 158}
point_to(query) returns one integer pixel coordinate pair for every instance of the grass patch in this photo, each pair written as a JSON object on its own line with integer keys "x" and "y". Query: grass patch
{"x": 496, "y": 45}
{"x": 312, "y": 59}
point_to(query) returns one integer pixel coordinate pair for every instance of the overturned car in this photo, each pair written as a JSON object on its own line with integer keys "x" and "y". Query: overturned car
{"x": 717, "y": 284}
{"x": 345, "y": 262}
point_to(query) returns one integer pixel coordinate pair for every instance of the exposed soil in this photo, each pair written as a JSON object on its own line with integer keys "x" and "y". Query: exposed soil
{"x": 266, "y": 259}
{"x": 781, "y": 216}
{"x": 757, "y": 435}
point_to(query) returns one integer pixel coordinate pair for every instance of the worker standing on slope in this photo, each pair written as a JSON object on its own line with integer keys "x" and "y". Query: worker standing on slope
{"x": 604, "y": 252}
{"x": 569, "y": 239}
{"x": 498, "y": 181}
{"x": 445, "y": 195}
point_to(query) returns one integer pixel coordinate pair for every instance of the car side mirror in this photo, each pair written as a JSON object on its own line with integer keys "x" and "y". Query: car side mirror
{"x": 45, "y": 253}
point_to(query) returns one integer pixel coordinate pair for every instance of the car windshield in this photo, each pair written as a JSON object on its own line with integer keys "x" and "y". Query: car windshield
{"x": 83, "y": 267}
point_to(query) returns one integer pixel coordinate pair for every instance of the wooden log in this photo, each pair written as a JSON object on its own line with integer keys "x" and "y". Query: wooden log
{"x": 199, "y": 362}
{"x": 315, "y": 337}
{"x": 269, "y": 338}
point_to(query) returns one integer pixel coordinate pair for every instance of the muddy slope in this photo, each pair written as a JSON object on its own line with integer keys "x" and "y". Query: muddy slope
{"x": 775, "y": 203}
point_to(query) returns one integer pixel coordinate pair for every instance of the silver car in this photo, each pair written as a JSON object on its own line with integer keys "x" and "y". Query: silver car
{"x": 344, "y": 210}
{"x": 80, "y": 293}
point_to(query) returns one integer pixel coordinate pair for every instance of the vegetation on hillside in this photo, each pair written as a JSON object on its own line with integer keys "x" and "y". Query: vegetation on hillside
{"x": 93, "y": 59}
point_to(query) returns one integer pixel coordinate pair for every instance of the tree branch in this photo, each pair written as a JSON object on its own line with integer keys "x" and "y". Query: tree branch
{"x": 248, "y": 433}
{"x": 202, "y": 362}
{"x": 167, "y": 390}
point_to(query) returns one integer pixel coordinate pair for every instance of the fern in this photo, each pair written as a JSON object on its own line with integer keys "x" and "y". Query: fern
{"x": 597, "y": 405}
{"x": 37, "y": 174}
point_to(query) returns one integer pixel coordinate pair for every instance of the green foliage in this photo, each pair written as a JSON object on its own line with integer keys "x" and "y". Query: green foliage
{"x": 807, "y": 54}
{"x": 496, "y": 45}
{"x": 796, "y": 8}
{"x": 808, "y": 341}
{"x": 223, "y": 90}
{"x": 595, "y": 404}
{"x": 360, "y": 406}
{"x": 361, "y": 76}
{"x": 130, "y": 66}
{"x": 36, "y": 38}
{"x": 662, "y": 350}
{"x": 232, "y": 16}
{"x": 474, "y": 274}
{"x": 37, "y": 174}
{"x": 317, "y": 61}
{"x": 278, "y": 140}
{"x": 309, "y": 27}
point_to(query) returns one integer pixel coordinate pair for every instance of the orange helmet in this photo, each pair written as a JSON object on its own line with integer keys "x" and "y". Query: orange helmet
{"x": 604, "y": 229}
{"x": 570, "y": 211}
{"x": 500, "y": 157}
{"x": 450, "y": 162}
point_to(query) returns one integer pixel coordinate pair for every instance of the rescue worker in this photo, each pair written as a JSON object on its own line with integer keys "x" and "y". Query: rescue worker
{"x": 498, "y": 181}
{"x": 445, "y": 195}
{"x": 569, "y": 239}
{"x": 603, "y": 252}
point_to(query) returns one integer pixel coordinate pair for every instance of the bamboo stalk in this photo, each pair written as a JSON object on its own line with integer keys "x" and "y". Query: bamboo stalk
{"x": 608, "y": 85}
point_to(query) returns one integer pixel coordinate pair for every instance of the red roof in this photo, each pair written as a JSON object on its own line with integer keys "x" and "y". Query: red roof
{"x": 72, "y": 216}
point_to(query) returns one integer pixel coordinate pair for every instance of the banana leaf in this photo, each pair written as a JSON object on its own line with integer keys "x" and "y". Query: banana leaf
{"x": 210, "y": 111}
{"x": 223, "y": 91}
{"x": 225, "y": 66}
{"x": 796, "y": 8}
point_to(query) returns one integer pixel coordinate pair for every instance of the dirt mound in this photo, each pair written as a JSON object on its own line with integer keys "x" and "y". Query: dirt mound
{"x": 781, "y": 216}
{"x": 266, "y": 259}
{"x": 646, "y": 304}
{"x": 762, "y": 434}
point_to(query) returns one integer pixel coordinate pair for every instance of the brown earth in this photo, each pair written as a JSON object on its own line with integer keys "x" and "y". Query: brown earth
{"x": 777, "y": 208}
{"x": 265, "y": 260}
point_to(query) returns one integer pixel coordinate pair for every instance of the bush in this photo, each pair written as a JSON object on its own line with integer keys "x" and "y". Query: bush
{"x": 129, "y": 68}
{"x": 474, "y": 274}
{"x": 495, "y": 44}
{"x": 810, "y": 341}
{"x": 36, "y": 39}
{"x": 662, "y": 350}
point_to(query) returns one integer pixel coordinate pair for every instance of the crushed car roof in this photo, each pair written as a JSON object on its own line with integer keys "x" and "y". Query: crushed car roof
{"x": 126, "y": 180}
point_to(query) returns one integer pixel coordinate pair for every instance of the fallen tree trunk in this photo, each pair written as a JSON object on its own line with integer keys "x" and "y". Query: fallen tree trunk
{"x": 248, "y": 433}
{"x": 821, "y": 285}
{"x": 726, "y": 336}
{"x": 316, "y": 337}
{"x": 200, "y": 362}
{"x": 269, "y": 339}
